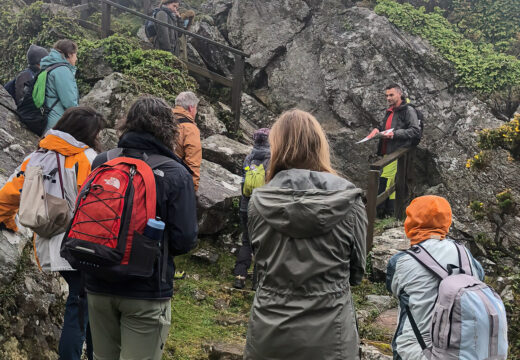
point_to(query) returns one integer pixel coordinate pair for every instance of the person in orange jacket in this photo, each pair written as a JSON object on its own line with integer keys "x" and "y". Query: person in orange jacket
{"x": 74, "y": 140}
{"x": 188, "y": 146}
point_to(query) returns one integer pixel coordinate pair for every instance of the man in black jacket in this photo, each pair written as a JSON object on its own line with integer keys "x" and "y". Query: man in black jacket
{"x": 131, "y": 319}
{"x": 402, "y": 119}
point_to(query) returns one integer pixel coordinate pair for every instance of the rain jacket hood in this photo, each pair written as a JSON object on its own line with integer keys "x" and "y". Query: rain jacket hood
{"x": 55, "y": 57}
{"x": 296, "y": 204}
{"x": 62, "y": 143}
{"x": 427, "y": 217}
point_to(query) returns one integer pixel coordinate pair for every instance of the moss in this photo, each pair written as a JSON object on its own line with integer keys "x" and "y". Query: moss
{"x": 153, "y": 72}
{"x": 35, "y": 24}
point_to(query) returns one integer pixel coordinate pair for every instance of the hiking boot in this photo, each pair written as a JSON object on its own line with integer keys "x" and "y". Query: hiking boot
{"x": 179, "y": 275}
{"x": 240, "y": 282}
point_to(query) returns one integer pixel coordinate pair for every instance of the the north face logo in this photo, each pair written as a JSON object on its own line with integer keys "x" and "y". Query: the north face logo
{"x": 113, "y": 182}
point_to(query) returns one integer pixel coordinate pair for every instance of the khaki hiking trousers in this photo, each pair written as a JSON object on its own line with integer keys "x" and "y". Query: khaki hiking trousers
{"x": 128, "y": 329}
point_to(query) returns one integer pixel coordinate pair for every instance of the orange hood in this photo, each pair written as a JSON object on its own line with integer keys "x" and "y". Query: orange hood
{"x": 427, "y": 217}
{"x": 62, "y": 143}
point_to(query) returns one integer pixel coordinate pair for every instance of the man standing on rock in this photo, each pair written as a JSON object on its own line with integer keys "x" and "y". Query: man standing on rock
{"x": 188, "y": 146}
{"x": 402, "y": 119}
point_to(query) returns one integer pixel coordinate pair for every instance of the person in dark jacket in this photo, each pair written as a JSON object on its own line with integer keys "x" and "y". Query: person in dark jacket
{"x": 308, "y": 227}
{"x": 259, "y": 156}
{"x": 34, "y": 56}
{"x": 166, "y": 38}
{"x": 402, "y": 118}
{"x": 131, "y": 319}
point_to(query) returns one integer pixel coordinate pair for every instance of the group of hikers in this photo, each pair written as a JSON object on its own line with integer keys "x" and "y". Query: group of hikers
{"x": 111, "y": 224}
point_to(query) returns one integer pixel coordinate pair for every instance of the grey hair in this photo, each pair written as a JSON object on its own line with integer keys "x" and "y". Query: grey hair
{"x": 186, "y": 99}
{"x": 152, "y": 115}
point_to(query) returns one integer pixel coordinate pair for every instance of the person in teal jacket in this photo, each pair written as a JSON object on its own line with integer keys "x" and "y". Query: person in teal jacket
{"x": 61, "y": 82}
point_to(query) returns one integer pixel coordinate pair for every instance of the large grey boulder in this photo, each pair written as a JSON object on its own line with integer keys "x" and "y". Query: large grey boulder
{"x": 263, "y": 29}
{"x": 370, "y": 352}
{"x": 226, "y": 152}
{"x": 214, "y": 57}
{"x": 334, "y": 60}
{"x": 208, "y": 121}
{"x": 111, "y": 98}
{"x": 256, "y": 113}
{"x": 31, "y": 301}
{"x": 385, "y": 246}
{"x": 218, "y": 191}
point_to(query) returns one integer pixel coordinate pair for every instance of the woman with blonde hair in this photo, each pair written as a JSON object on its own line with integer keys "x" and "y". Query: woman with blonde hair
{"x": 307, "y": 228}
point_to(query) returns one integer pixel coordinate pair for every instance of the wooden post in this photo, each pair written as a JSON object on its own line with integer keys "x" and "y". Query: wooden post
{"x": 373, "y": 185}
{"x": 84, "y": 13}
{"x": 400, "y": 187}
{"x": 236, "y": 90}
{"x": 105, "y": 20}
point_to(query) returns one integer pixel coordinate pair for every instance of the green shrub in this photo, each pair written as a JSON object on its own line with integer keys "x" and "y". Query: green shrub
{"x": 477, "y": 209}
{"x": 506, "y": 137}
{"x": 479, "y": 68}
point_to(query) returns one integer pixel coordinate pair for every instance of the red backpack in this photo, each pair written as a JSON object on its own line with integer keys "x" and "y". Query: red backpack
{"x": 105, "y": 238}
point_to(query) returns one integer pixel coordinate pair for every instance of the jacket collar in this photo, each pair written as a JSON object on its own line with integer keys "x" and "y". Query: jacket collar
{"x": 147, "y": 143}
{"x": 62, "y": 143}
{"x": 181, "y": 112}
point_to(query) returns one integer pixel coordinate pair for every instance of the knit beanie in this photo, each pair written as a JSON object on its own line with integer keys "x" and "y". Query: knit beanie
{"x": 35, "y": 54}
{"x": 427, "y": 217}
{"x": 260, "y": 136}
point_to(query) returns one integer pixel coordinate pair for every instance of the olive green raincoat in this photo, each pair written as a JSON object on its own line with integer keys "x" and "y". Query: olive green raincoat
{"x": 308, "y": 234}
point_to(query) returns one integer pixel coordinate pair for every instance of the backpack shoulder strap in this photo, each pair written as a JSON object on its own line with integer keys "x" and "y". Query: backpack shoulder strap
{"x": 464, "y": 260}
{"x": 424, "y": 258}
{"x": 156, "y": 160}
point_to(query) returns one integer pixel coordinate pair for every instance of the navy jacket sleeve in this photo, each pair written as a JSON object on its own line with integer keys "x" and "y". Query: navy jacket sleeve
{"x": 182, "y": 214}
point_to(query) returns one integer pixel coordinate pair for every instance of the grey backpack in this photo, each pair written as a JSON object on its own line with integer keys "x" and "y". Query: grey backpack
{"x": 469, "y": 319}
{"x": 43, "y": 207}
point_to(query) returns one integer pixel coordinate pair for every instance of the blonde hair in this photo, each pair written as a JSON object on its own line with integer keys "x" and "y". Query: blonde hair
{"x": 298, "y": 141}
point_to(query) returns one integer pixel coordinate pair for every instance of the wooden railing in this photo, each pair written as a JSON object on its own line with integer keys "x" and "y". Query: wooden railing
{"x": 235, "y": 83}
{"x": 402, "y": 177}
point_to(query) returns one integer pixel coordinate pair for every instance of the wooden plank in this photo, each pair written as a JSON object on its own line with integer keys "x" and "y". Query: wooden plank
{"x": 90, "y": 26}
{"x": 373, "y": 184}
{"x": 105, "y": 20}
{"x": 380, "y": 164}
{"x": 209, "y": 74}
{"x": 384, "y": 195}
{"x": 84, "y": 6}
{"x": 236, "y": 90}
{"x": 400, "y": 187}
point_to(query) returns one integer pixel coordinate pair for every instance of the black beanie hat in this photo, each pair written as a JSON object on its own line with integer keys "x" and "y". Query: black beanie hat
{"x": 35, "y": 54}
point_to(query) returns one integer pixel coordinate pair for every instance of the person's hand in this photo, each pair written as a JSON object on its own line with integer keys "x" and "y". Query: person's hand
{"x": 373, "y": 133}
{"x": 389, "y": 135}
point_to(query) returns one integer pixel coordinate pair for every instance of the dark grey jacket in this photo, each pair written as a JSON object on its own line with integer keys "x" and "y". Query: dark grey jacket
{"x": 259, "y": 155}
{"x": 406, "y": 129}
{"x": 308, "y": 230}
{"x": 166, "y": 38}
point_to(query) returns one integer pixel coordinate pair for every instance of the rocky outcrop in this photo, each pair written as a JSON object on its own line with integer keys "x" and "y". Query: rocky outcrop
{"x": 30, "y": 301}
{"x": 226, "y": 152}
{"x": 208, "y": 121}
{"x": 385, "y": 246}
{"x": 111, "y": 97}
{"x": 334, "y": 59}
{"x": 219, "y": 190}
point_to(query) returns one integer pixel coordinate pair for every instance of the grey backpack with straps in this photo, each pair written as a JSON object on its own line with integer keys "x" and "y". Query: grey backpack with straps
{"x": 469, "y": 319}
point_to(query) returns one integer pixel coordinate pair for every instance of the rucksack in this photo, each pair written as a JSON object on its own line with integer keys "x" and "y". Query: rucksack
{"x": 32, "y": 110}
{"x": 105, "y": 237}
{"x": 469, "y": 319}
{"x": 150, "y": 27}
{"x": 43, "y": 207}
{"x": 420, "y": 118}
{"x": 254, "y": 178}
{"x": 10, "y": 87}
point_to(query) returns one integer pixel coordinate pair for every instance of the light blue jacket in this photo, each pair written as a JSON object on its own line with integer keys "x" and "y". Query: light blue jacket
{"x": 416, "y": 287}
{"x": 61, "y": 85}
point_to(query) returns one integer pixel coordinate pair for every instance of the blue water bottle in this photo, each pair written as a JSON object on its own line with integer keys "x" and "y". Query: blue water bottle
{"x": 154, "y": 229}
